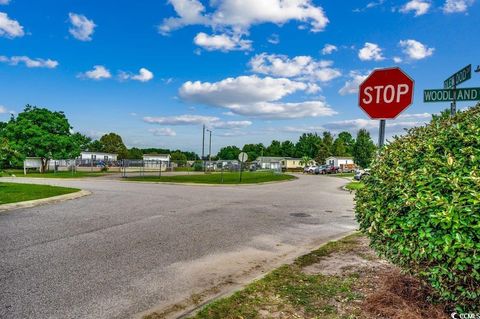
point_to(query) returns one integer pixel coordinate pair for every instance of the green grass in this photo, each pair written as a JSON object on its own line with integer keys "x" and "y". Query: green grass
{"x": 216, "y": 178}
{"x": 353, "y": 186}
{"x": 290, "y": 291}
{"x": 13, "y": 193}
{"x": 62, "y": 174}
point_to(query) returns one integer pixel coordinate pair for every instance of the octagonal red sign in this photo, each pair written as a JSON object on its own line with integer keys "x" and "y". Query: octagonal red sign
{"x": 386, "y": 93}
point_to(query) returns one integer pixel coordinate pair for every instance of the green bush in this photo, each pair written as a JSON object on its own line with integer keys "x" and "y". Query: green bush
{"x": 421, "y": 206}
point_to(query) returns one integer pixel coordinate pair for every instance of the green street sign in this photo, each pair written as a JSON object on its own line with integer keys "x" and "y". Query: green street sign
{"x": 459, "y": 77}
{"x": 464, "y": 94}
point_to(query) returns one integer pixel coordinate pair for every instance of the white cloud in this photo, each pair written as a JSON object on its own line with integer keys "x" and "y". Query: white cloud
{"x": 163, "y": 131}
{"x": 188, "y": 119}
{"x": 356, "y": 124}
{"x": 351, "y": 85}
{"x": 239, "y": 16}
{"x": 3, "y": 109}
{"x": 30, "y": 63}
{"x": 99, "y": 72}
{"x": 4, "y": 2}
{"x": 397, "y": 59}
{"x": 415, "y": 116}
{"x": 10, "y": 28}
{"x": 329, "y": 49}
{"x": 274, "y": 39}
{"x": 144, "y": 75}
{"x": 456, "y": 6}
{"x": 222, "y": 42}
{"x": 420, "y": 7}
{"x": 254, "y": 96}
{"x": 370, "y": 51}
{"x": 415, "y": 50}
{"x": 82, "y": 28}
{"x": 301, "y": 67}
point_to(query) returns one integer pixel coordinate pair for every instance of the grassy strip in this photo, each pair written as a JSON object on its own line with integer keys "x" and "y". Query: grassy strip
{"x": 13, "y": 193}
{"x": 353, "y": 186}
{"x": 216, "y": 178}
{"x": 62, "y": 174}
{"x": 342, "y": 175}
{"x": 291, "y": 292}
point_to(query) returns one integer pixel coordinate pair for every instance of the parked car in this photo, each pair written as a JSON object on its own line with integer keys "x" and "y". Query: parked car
{"x": 309, "y": 169}
{"x": 331, "y": 169}
{"x": 359, "y": 174}
{"x": 320, "y": 169}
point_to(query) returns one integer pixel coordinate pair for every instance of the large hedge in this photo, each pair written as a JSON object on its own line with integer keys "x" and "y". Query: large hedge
{"x": 421, "y": 206}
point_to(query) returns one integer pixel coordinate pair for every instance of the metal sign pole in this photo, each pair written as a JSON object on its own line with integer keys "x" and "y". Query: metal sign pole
{"x": 381, "y": 134}
{"x": 453, "y": 105}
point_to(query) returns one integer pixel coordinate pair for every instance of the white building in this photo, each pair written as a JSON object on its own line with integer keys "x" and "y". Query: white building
{"x": 98, "y": 156}
{"x": 157, "y": 157}
{"x": 156, "y": 161}
{"x": 339, "y": 161}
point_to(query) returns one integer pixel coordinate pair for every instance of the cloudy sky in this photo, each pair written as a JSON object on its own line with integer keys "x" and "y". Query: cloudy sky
{"x": 252, "y": 70}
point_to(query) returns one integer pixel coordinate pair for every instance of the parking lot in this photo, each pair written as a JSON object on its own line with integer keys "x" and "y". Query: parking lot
{"x": 132, "y": 247}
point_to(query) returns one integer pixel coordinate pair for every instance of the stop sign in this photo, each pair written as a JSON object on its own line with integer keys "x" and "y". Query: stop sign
{"x": 386, "y": 93}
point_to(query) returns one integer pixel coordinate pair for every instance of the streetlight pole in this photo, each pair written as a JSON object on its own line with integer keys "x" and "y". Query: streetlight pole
{"x": 203, "y": 147}
{"x": 210, "y": 146}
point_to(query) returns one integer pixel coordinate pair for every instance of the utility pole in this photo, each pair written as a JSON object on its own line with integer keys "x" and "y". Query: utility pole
{"x": 210, "y": 147}
{"x": 203, "y": 147}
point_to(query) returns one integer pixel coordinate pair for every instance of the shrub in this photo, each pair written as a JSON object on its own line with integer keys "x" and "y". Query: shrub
{"x": 421, "y": 206}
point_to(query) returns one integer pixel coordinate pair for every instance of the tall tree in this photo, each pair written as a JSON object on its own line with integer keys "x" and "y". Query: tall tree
{"x": 325, "y": 147}
{"x": 348, "y": 141}
{"x": 254, "y": 151}
{"x": 287, "y": 149}
{"x": 39, "y": 132}
{"x": 364, "y": 149}
{"x": 113, "y": 143}
{"x": 307, "y": 145}
{"x": 274, "y": 149}
{"x": 135, "y": 153}
{"x": 228, "y": 153}
{"x": 179, "y": 158}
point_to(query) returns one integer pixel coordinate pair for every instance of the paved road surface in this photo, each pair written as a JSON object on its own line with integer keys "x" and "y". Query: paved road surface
{"x": 130, "y": 247}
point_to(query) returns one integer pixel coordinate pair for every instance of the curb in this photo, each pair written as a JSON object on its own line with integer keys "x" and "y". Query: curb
{"x": 43, "y": 201}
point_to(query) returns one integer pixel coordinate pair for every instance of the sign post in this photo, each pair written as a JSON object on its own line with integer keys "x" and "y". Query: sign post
{"x": 384, "y": 94}
{"x": 242, "y": 157}
{"x": 452, "y": 82}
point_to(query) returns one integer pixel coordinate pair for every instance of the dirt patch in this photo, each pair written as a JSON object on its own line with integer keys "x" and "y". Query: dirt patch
{"x": 343, "y": 263}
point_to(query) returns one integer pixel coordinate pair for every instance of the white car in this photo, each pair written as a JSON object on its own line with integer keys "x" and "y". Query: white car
{"x": 310, "y": 169}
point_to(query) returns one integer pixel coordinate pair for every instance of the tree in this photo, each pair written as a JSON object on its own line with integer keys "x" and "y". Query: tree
{"x": 348, "y": 141}
{"x": 82, "y": 141}
{"x": 307, "y": 145}
{"x": 95, "y": 146}
{"x": 254, "y": 151}
{"x": 306, "y": 160}
{"x": 364, "y": 149}
{"x": 135, "y": 153}
{"x": 325, "y": 147}
{"x": 287, "y": 149}
{"x": 113, "y": 143}
{"x": 8, "y": 156}
{"x": 179, "y": 158}
{"x": 339, "y": 148}
{"x": 228, "y": 153}
{"x": 39, "y": 132}
{"x": 275, "y": 149}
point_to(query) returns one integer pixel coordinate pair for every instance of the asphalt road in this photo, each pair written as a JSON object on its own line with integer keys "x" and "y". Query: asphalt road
{"x": 130, "y": 247}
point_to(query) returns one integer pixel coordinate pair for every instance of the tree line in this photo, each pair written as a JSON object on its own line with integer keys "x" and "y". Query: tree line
{"x": 39, "y": 132}
{"x": 311, "y": 145}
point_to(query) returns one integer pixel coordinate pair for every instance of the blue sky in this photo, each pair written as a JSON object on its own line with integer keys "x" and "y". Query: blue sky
{"x": 251, "y": 70}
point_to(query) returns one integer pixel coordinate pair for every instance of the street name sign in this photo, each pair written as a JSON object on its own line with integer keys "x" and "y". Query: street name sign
{"x": 439, "y": 95}
{"x": 459, "y": 77}
{"x": 386, "y": 93}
